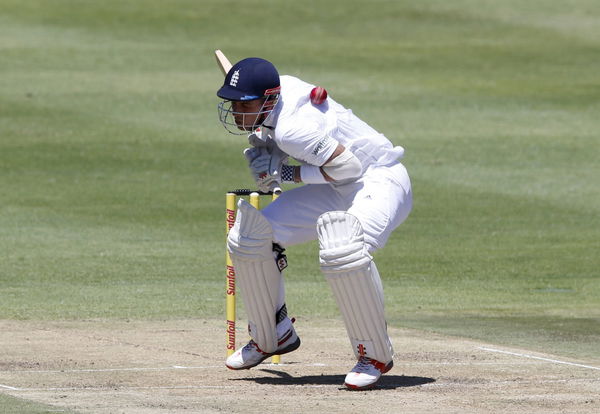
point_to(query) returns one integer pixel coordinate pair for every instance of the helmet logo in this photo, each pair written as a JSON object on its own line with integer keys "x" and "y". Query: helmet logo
{"x": 234, "y": 78}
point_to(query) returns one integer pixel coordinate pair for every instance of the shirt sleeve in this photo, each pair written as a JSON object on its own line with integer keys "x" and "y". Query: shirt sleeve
{"x": 308, "y": 142}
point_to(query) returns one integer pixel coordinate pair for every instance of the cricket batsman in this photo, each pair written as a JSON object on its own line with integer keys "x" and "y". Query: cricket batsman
{"x": 356, "y": 193}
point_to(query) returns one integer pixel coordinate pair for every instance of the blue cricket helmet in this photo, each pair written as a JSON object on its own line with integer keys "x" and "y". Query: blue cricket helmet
{"x": 249, "y": 79}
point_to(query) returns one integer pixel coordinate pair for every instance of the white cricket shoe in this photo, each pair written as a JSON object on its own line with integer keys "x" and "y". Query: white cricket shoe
{"x": 366, "y": 373}
{"x": 250, "y": 355}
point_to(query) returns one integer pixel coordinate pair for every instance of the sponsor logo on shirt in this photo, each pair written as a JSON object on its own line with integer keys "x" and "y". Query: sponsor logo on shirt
{"x": 320, "y": 145}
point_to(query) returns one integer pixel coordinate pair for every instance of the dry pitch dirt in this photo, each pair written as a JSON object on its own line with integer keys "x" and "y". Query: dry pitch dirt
{"x": 177, "y": 367}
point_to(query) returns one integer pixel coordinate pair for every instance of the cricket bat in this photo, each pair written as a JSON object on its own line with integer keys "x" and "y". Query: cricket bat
{"x": 222, "y": 61}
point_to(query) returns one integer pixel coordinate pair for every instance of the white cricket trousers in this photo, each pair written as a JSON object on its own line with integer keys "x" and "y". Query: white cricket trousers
{"x": 381, "y": 200}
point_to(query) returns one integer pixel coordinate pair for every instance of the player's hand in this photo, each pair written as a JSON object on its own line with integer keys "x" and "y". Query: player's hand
{"x": 253, "y": 152}
{"x": 258, "y": 159}
{"x": 264, "y": 167}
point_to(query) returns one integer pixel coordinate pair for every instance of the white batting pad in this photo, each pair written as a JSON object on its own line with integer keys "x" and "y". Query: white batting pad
{"x": 356, "y": 284}
{"x": 250, "y": 244}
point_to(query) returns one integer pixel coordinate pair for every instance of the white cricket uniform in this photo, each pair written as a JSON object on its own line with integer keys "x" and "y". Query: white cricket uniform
{"x": 381, "y": 198}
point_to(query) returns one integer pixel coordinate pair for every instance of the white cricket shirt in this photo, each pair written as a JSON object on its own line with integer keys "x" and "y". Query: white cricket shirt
{"x": 310, "y": 133}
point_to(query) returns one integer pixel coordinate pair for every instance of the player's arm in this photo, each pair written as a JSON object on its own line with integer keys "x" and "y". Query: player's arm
{"x": 342, "y": 165}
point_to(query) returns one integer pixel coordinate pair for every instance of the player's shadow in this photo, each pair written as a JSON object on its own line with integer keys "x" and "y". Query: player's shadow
{"x": 283, "y": 378}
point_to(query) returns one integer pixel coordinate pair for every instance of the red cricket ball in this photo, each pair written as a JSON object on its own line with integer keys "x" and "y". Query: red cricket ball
{"x": 318, "y": 95}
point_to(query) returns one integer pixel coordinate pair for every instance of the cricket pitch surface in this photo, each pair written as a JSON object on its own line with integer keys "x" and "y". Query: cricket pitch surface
{"x": 178, "y": 367}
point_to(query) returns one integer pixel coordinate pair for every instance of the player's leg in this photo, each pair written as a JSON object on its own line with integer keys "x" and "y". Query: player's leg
{"x": 382, "y": 203}
{"x": 346, "y": 240}
{"x": 294, "y": 214}
{"x": 352, "y": 275}
{"x": 258, "y": 263}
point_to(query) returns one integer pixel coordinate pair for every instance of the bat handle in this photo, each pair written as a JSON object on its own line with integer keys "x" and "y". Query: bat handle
{"x": 275, "y": 189}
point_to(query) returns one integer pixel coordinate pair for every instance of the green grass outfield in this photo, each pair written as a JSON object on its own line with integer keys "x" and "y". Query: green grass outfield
{"x": 113, "y": 165}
